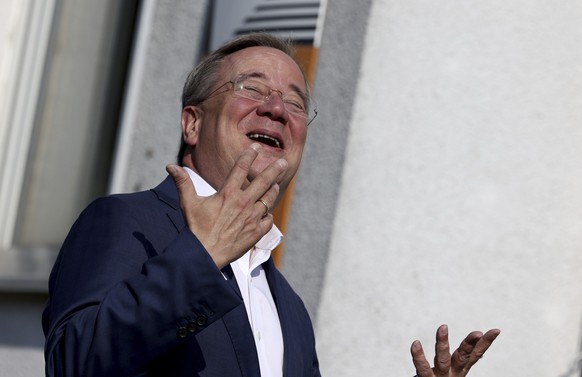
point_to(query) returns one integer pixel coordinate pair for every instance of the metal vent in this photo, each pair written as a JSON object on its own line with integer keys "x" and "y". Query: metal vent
{"x": 295, "y": 20}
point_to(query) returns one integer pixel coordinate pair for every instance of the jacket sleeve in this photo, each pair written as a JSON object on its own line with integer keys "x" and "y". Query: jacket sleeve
{"x": 119, "y": 298}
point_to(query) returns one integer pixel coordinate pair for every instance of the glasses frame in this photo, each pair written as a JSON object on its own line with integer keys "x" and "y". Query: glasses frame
{"x": 265, "y": 98}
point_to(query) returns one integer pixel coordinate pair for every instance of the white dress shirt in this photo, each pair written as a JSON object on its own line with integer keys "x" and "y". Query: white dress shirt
{"x": 257, "y": 297}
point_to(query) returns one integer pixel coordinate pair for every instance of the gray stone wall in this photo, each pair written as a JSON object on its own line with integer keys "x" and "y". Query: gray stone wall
{"x": 318, "y": 181}
{"x": 460, "y": 196}
{"x": 173, "y": 49}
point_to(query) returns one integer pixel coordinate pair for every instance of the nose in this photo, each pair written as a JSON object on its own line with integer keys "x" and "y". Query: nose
{"x": 274, "y": 108}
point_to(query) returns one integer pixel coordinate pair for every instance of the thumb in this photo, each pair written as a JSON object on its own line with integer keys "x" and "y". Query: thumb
{"x": 186, "y": 190}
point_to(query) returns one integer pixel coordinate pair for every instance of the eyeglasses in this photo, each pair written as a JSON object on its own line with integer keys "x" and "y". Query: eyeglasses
{"x": 255, "y": 90}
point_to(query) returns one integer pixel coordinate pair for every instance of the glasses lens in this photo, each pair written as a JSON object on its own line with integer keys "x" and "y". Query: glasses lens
{"x": 257, "y": 91}
{"x": 251, "y": 89}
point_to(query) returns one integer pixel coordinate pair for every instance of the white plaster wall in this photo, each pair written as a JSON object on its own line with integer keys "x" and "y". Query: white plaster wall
{"x": 21, "y": 362}
{"x": 461, "y": 201}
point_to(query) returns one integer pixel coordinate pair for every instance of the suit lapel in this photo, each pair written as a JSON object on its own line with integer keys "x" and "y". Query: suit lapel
{"x": 167, "y": 193}
{"x": 285, "y": 318}
{"x": 229, "y": 273}
{"x": 241, "y": 334}
{"x": 236, "y": 321}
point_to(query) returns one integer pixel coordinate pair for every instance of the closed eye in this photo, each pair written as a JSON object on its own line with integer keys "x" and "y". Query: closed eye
{"x": 251, "y": 91}
{"x": 294, "y": 106}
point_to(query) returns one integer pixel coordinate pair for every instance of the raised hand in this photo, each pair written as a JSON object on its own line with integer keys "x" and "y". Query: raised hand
{"x": 469, "y": 352}
{"x": 230, "y": 222}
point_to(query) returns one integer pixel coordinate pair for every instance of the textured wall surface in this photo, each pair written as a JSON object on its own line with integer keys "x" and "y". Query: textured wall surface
{"x": 461, "y": 198}
{"x": 318, "y": 181}
{"x": 172, "y": 51}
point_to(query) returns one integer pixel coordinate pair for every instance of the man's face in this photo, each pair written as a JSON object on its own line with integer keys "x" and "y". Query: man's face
{"x": 225, "y": 125}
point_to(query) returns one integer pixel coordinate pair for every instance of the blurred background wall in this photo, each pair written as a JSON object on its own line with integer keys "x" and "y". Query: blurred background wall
{"x": 460, "y": 196}
{"x": 441, "y": 182}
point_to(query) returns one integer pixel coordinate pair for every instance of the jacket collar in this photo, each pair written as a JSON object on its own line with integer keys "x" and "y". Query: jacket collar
{"x": 167, "y": 193}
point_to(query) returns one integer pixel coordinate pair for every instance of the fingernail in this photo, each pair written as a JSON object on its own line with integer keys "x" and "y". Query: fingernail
{"x": 282, "y": 163}
{"x": 171, "y": 169}
{"x": 416, "y": 345}
{"x": 256, "y": 146}
{"x": 276, "y": 187}
{"x": 444, "y": 330}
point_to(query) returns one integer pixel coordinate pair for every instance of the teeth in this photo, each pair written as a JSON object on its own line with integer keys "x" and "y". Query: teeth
{"x": 261, "y": 136}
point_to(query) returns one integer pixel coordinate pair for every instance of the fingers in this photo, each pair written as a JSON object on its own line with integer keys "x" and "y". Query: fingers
{"x": 234, "y": 219}
{"x": 422, "y": 365}
{"x": 472, "y": 349}
{"x": 267, "y": 201}
{"x": 263, "y": 190}
{"x": 264, "y": 203}
{"x": 483, "y": 345}
{"x": 263, "y": 207}
{"x": 186, "y": 190}
{"x": 266, "y": 180}
{"x": 240, "y": 171}
{"x": 442, "y": 359}
{"x": 239, "y": 174}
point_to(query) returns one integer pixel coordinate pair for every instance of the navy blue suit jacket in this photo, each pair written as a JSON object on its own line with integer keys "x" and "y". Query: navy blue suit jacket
{"x": 134, "y": 293}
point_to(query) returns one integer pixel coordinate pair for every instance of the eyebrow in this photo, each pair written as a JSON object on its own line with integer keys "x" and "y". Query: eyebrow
{"x": 260, "y": 75}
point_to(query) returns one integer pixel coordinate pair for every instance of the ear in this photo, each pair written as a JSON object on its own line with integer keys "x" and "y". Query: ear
{"x": 191, "y": 122}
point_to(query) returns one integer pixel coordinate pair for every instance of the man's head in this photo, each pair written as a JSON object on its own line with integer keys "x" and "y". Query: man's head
{"x": 249, "y": 90}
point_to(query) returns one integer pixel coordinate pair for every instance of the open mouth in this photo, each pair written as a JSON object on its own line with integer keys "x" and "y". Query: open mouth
{"x": 266, "y": 139}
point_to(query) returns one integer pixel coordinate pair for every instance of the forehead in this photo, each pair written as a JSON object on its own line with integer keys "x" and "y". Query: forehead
{"x": 272, "y": 64}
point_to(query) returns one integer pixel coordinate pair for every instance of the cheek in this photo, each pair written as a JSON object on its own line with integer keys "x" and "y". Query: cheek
{"x": 299, "y": 138}
{"x": 299, "y": 133}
